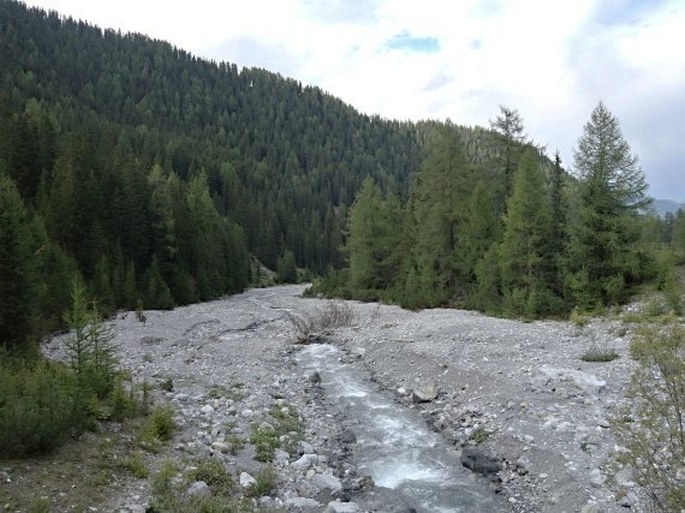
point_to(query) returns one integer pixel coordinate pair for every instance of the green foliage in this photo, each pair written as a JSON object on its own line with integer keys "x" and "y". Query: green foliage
{"x": 286, "y": 268}
{"x": 372, "y": 239}
{"x": 38, "y": 408}
{"x": 89, "y": 347}
{"x": 652, "y": 428}
{"x": 599, "y": 354}
{"x": 18, "y": 290}
{"x": 40, "y": 505}
{"x": 158, "y": 428}
{"x": 602, "y": 258}
{"x": 214, "y": 473}
{"x": 265, "y": 440}
{"x": 267, "y": 479}
{"x": 135, "y": 464}
{"x": 525, "y": 261}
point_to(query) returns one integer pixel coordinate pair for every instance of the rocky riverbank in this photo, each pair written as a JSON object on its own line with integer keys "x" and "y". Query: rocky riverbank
{"x": 515, "y": 391}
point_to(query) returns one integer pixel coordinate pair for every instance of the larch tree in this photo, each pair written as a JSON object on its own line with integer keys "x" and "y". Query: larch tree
{"x": 602, "y": 257}
{"x": 510, "y": 125}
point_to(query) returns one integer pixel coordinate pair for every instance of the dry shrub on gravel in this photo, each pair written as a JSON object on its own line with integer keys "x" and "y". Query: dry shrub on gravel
{"x": 314, "y": 326}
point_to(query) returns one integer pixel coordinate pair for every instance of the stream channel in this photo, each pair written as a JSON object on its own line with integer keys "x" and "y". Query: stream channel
{"x": 394, "y": 446}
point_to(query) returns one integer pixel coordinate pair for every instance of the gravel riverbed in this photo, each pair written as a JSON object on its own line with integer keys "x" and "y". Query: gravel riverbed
{"x": 517, "y": 391}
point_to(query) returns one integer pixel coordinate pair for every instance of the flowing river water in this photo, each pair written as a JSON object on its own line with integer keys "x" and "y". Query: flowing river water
{"x": 394, "y": 445}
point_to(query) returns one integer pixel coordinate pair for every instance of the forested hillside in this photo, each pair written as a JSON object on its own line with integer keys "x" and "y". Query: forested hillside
{"x": 154, "y": 176}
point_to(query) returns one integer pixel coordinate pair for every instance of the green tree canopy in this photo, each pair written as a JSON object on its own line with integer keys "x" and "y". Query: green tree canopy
{"x": 603, "y": 260}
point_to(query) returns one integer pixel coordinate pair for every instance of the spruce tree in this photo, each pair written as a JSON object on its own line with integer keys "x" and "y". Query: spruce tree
{"x": 19, "y": 300}
{"x": 373, "y": 233}
{"x": 524, "y": 259}
{"x": 439, "y": 205}
{"x": 602, "y": 258}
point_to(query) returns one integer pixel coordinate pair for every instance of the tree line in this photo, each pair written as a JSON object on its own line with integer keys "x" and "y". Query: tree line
{"x": 158, "y": 178}
{"x": 528, "y": 240}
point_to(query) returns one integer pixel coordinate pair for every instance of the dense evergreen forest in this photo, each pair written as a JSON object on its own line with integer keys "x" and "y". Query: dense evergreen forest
{"x": 156, "y": 176}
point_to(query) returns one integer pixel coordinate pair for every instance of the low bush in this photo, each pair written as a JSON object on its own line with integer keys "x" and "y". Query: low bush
{"x": 214, "y": 474}
{"x": 158, "y": 428}
{"x": 652, "y": 427}
{"x": 38, "y": 410}
{"x": 599, "y": 354}
{"x": 266, "y": 480}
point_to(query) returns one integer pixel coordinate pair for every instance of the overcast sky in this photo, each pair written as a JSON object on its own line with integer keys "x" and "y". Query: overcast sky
{"x": 404, "y": 59}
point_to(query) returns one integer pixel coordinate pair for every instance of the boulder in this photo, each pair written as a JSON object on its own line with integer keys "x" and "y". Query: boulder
{"x": 246, "y": 480}
{"x": 479, "y": 462}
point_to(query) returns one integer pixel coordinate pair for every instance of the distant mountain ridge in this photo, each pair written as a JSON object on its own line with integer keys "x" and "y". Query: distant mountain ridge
{"x": 664, "y": 206}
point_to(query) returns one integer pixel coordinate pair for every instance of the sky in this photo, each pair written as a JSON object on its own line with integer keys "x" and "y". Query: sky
{"x": 551, "y": 60}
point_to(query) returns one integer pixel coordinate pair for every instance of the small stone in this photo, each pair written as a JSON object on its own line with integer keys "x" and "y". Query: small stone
{"x": 281, "y": 457}
{"x": 327, "y": 482}
{"x": 591, "y": 508}
{"x": 199, "y": 489}
{"x": 341, "y": 507}
{"x": 597, "y": 479}
{"x": 221, "y": 447}
{"x": 628, "y": 500}
{"x": 246, "y": 480}
{"x": 305, "y": 448}
{"x": 425, "y": 394}
{"x": 305, "y": 461}
{"x": 302, "y": 502}
{"x": 247, "y": 414}
{"x": 207, "y": 409}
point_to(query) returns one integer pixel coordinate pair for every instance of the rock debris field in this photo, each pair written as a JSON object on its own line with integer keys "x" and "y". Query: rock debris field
{"x": 514, "y": 398}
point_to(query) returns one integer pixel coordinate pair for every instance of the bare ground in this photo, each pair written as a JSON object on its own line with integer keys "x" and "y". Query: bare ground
{"x": 518, "y": 390}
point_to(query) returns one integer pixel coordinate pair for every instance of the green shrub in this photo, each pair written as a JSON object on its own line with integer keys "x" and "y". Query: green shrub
{"x": 158, "y": 428}
{"x": 40, "y": 505}
{"x": 214, "y": 474}
{"x": 578, "y": 318}
{"x": 38, "y": 411}
{"x": 652, "y": 427}
{"x": 266, "y": 480}
{"x": 266, "y": 440}
{"x": 135, "y": 464}
{"x": 599, "y": 354}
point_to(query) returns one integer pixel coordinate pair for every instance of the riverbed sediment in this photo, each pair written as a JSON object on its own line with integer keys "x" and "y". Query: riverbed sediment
{"x": 517, "y": 391}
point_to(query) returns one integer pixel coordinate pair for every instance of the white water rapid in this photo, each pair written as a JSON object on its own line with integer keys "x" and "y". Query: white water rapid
{"x": 393, "y": 444}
